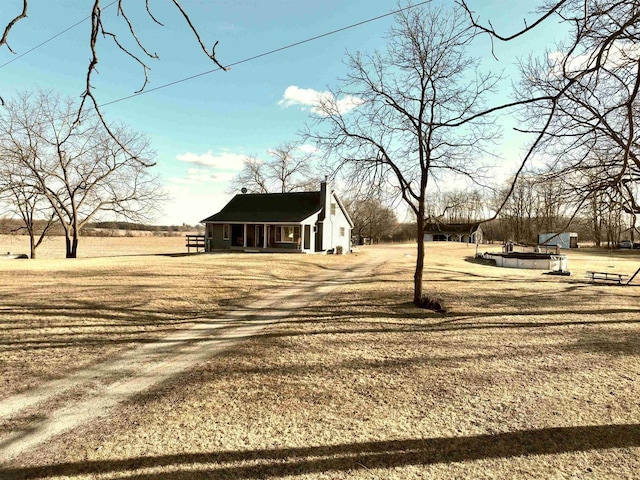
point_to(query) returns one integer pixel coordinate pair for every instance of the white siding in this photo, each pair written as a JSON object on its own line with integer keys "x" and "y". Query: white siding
{"x": 562, "y": 240}
{"x": 332, "y": 227}
{"x": 311, "y": 221}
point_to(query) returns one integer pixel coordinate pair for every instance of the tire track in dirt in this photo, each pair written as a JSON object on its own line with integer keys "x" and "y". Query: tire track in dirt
{"x": 102, "y": 387}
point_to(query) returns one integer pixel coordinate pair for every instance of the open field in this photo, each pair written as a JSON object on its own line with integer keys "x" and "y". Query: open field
{"x": 526, "y": 376}
{"x": 91, "y": 247}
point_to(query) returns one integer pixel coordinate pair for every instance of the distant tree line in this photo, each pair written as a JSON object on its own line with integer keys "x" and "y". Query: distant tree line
{"x": 14, "y": 226}
{"x": 536, "y": 204}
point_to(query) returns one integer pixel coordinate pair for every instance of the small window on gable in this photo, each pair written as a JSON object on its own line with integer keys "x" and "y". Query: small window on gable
{"x": 226, "y": 231}
{"x": 333, "y": 209}
{"x": 342, "y": 231}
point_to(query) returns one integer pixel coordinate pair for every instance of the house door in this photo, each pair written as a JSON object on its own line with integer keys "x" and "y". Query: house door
{"x": 259, "y": 237}
{"x": 237, "y": 235}
{"x": 307, "y": 237}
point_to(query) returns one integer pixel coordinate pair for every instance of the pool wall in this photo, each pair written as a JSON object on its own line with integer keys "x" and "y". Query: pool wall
{"x": 534, "y": 261}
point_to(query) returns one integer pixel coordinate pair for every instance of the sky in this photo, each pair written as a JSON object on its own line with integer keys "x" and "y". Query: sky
{"x": 202, "y": 128}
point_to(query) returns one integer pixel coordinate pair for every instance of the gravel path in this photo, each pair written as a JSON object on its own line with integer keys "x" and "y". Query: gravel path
{"x": 61, "y": 405}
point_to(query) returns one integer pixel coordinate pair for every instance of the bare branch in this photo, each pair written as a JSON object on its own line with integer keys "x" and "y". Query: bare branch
{"x": 505, "y": 38}
{"x": 211, "y": 55}
{"x": 7, "y": 29}
{"x": 133, "y": 32}
{"x": 146, "y": 5}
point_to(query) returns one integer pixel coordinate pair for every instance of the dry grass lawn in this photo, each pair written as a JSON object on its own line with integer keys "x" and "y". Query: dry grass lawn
{"x": 527, "y": 375}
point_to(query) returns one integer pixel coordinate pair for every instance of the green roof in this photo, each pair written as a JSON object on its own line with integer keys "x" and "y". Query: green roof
{"x": 451, "y": 228}
{"x": 269, "y": 207}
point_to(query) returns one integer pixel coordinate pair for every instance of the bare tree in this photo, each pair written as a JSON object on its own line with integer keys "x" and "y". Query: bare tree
{"x": 553, "y": 206}
{"x": 456, "y": 206}
{"x": 535, "y": 205}
{"x": 287, "y": 169}
{"x": 418, "y": 115}
{"x": 518, "y": 216}
{"x": 22, "y": 196}
{"x": 584, "y": 103}
{"x": 290, "y": 168}
{"x": 77, "y": 166}
{"x": 253, "y": 176}
{"x": 25, "y": 200}
{"x": 371, "y": 219}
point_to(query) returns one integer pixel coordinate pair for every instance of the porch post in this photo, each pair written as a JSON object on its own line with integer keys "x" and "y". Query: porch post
{"x": 265, "y": 235}
{"x": 301, "y": 237}
{"x": 244, "y": 236}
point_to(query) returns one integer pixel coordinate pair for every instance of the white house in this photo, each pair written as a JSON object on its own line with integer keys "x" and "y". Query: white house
{"x": 305, "y": 222}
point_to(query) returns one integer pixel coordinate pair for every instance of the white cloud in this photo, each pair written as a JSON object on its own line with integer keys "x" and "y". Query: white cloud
{"x": 308, "y": 149}
{"x": 224, "y": 160}
{"x": 209, "y": 168}
{"x": 619, "y": 54}
{"x": 197, "y": 176}
{"x": 300, "y": 96}
{"x": 312, "y": 99}
{"x": 190, "y": 204}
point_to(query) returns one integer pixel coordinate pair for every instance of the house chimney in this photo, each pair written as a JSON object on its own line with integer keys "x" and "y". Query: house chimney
{"x": 325, "y": 198}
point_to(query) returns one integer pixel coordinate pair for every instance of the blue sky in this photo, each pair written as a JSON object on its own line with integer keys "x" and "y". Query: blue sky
{"x": 202, "y": 128}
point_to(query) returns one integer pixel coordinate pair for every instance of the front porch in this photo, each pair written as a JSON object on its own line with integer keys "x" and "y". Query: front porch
{"x": 266, "y": 250}
{"x": 260, "y": 237}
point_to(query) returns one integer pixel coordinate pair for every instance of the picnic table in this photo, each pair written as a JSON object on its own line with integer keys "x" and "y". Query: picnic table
{"x": 607, "y": 277}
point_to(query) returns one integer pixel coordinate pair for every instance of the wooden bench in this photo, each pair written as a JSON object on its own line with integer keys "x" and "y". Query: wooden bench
{"x": 195, "y": 241}
{"x": 607, "y": 277}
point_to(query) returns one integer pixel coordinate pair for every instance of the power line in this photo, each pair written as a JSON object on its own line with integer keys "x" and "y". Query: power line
{"x": 260, "y": 55}
{"x": 245, "y": 60}
{"x": 52, "y": 38}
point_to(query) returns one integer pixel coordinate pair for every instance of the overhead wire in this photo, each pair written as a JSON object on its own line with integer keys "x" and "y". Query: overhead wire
{"x": 264, "y": 54}
{"x": 228, "y": 66}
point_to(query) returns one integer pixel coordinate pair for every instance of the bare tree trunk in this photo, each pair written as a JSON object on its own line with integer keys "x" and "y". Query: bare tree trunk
{"x": 67, "y": 240}
{"x": 71, "y": 240}
{"x": 32, "y": 245}
{"x": 417, "y": 277}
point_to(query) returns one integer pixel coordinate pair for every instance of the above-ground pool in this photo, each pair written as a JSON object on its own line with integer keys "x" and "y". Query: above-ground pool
{"x": 536, "y": 261}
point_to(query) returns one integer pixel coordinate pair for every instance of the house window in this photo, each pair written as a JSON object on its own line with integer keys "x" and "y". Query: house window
{"x": 226, "y": 231}
{"x": 288, "y": 234}
{"x": 333, "y": 209}
{"x": 342, "y": 231}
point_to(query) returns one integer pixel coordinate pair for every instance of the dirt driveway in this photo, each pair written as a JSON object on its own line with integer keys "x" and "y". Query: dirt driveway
{"x": 58, "y": 406}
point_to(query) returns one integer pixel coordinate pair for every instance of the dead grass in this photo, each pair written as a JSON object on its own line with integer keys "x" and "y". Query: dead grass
{"x": 526, "y": 376}
{"x": 58, "y": 315}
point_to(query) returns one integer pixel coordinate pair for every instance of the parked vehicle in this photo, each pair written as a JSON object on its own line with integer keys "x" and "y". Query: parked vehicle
{"x": 626, "y": 244}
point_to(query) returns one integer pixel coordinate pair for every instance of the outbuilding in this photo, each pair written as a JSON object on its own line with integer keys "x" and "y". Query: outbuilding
{"x": 561, "y": 240}
{"x": 453, "y": 232}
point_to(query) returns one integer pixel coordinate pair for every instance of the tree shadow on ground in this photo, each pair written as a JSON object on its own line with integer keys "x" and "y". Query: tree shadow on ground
{"x": 613, "y": 344}
{"x": 281, "y": 462}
